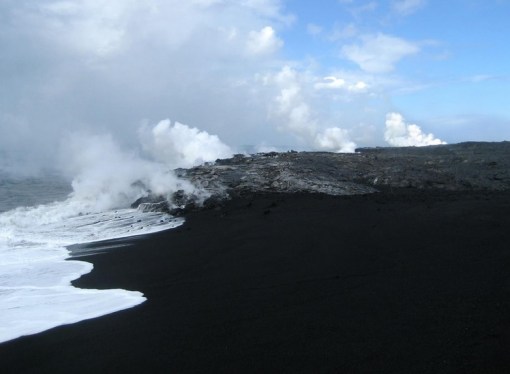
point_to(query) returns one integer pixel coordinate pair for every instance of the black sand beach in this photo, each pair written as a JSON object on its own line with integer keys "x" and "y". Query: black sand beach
{"x": 402, "y": 281}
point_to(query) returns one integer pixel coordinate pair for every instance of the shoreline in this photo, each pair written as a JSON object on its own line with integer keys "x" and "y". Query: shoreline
{"x": 392, "y": 282}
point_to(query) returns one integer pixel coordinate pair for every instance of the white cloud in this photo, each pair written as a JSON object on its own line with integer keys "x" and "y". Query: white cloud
{"x": 358, "y": 86}
{"x": 400, "y": 134}
{"x": 76, "y": 24}
{"x": 379, "y": 53}
{"x": 264, "y": 41}
{"x": 332, "y": 82}
{"x": 407, "y": 7}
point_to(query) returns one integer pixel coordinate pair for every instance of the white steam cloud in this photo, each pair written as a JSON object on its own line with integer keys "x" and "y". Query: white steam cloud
{"x": 335, "y": 139}
{"x": 107, "y": 176}
{"x": 179, "y": 145}
{"x": 400, "y": 134}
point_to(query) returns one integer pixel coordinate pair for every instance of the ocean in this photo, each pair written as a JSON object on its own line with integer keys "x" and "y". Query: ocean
{"x": 39, "y": 218}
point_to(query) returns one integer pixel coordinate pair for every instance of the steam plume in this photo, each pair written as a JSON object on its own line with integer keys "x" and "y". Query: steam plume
{"x": 179, "y": 145}
{"x": 107, "y": 176}
{"x": 400, "y": 134}
{"x": 294, "y": 114}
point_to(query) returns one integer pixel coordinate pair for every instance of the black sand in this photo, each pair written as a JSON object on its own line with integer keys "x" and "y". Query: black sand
{"x": 407, "y": 282}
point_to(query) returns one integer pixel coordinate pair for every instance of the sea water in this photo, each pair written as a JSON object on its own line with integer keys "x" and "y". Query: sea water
{"x": 39, "y": 218}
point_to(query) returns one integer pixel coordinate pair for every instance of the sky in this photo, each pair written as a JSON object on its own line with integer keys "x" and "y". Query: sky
{"x": 254, "y": 75}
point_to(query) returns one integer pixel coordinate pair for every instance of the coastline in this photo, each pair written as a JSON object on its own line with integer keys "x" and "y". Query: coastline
{"x": 394, "y": 282}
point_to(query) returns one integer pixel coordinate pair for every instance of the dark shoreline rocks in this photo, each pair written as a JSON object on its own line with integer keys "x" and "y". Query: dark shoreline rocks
{"x": 463, "y": 166}
{"x": 457, "y": 167}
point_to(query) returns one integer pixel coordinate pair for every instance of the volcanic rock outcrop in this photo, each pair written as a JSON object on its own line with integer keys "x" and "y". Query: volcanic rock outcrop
{"x": 463, "y": 166}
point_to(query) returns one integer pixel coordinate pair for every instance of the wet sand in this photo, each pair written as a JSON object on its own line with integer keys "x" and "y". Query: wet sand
{"x": 396, "y": 282}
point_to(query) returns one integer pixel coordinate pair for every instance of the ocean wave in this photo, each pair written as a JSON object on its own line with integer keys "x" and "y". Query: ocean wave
{"x": 36, "y": 293}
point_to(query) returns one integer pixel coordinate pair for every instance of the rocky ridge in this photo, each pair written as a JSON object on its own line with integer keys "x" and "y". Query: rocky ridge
{"x": 456, "y": 167}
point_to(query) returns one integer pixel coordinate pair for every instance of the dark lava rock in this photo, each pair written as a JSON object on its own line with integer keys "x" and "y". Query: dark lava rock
{"x": 152, "y": 203}
{"x": 464, "y": 166}
{"x": 456, "y": 167}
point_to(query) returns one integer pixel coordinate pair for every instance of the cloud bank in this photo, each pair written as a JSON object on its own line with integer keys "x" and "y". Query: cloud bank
{"x": 107, "y": 66}
{"x": 221, "y": 66}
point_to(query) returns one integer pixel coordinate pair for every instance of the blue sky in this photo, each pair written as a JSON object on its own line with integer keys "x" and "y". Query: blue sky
{"x": 461, "y": 72}
{"x": 270, "y": 74}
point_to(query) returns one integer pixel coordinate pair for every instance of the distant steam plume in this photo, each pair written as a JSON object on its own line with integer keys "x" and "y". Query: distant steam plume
{"x": 400, "y": 134}
{"x": 293, "y": 113}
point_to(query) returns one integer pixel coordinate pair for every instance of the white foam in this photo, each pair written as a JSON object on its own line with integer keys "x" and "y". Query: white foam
{"x": 32, "y": 310}
{"x": 35, "y": 278}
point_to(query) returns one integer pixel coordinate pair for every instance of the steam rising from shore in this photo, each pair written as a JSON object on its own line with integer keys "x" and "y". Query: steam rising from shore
{"x": 179, "y": 145}
{"x": 105, "y": 176}
{"x": 291, "y": 108}
{"x": 399, "y": 134}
